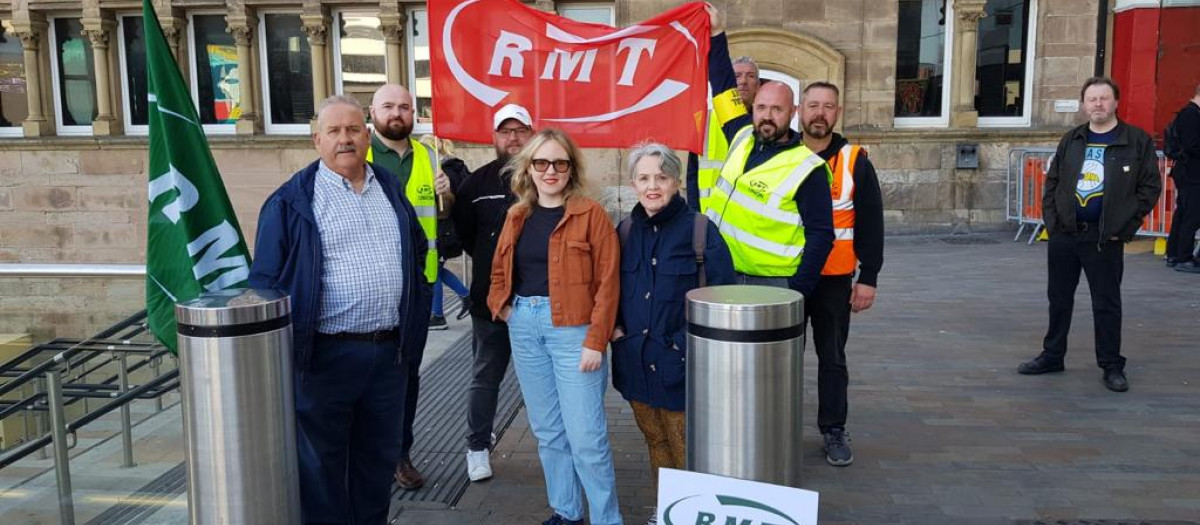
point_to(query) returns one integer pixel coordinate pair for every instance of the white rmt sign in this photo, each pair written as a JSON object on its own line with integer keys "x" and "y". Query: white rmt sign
{"x": 690, "y": 498}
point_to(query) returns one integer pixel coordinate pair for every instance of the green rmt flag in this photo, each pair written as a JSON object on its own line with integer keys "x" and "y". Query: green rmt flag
{"x": 193, "y": 242}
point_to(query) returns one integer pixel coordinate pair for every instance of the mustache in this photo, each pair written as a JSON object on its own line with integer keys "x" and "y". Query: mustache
{"x": 346, "y": 148}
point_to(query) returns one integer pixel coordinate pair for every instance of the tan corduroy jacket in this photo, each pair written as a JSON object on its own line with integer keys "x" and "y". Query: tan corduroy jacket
{"x": 584, "y": 267}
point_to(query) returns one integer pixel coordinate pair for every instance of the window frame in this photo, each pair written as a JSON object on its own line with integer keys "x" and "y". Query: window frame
{"x": 265, "y": 79}
{"x": 339, "y": 87}
{"x": 612, "y": 9}
{"x": 943, "y": 120}
{"x": 1030, "y": 51}
{"x": 17, "y": 130}
{"x": 410, "y": 62}
{"x": 61, "y": 129}
{"x": 194, "y": 84}
{"x": 131, "y": 129}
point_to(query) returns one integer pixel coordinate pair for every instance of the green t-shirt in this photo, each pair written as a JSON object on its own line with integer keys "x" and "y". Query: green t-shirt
{"x": 389, "y": 160}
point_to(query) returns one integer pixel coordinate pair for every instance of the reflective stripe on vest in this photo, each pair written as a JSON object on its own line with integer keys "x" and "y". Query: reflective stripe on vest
{"x": 715, "y": 150}
{"x": 842, "y": 260}
{"x": 421, "y": 195}
{"x": 756, "y": 211}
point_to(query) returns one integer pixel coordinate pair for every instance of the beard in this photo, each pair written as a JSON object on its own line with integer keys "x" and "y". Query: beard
{"x": 394, "y": 130}
{"x": 815, "y": 132}
{"x": 768, "y": 132}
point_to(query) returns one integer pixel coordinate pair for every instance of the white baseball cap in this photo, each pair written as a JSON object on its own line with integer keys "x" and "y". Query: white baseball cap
{"x": 512, "y": 111}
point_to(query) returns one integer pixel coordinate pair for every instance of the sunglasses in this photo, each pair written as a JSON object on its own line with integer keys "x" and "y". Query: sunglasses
{"x": 560, "y": 166}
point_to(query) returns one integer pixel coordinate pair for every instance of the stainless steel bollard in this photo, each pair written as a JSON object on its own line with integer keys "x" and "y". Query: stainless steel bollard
{"x": 235, "y": 364}
{"x": 745, "y": 378}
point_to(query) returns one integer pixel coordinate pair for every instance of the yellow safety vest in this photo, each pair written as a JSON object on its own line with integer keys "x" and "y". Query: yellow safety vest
{"x": 756, "y": 211}
{"x": 709, "y": 168}
{"x": 423, "y": 198}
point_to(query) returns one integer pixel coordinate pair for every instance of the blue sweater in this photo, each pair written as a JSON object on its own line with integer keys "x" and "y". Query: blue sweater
{"x": 288, "y": 258}
{"x": 658, "y": 268}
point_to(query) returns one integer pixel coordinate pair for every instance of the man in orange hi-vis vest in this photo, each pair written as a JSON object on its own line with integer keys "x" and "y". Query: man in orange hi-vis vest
{"x": 857, "y": 245}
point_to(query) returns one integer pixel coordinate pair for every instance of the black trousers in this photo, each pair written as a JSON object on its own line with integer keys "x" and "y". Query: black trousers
{"x": 1181, "y": 242}
{"x": 827, "y": 309}
{"x": 413, "y": 362}
{"x": 1103, "y": 264}
{"x": 491, "y": 356}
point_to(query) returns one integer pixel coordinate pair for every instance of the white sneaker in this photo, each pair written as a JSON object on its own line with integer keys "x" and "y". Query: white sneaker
{"x": 479, "y": 465}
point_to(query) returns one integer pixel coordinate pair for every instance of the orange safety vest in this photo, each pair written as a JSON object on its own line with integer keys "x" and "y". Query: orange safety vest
{"x": 842, "y": 260}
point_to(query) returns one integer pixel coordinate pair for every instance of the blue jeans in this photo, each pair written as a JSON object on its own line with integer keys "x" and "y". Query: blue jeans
{"x": 566, "y": 412}
{"x": 453, "y": 282}
{"x": 348, "y": 410}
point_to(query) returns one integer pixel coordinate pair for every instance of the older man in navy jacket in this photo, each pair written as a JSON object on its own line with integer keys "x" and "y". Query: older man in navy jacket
{"x": 342, "y": 241}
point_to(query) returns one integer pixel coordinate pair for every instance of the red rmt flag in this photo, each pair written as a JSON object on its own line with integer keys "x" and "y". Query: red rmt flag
{"x": 604, "y": 86}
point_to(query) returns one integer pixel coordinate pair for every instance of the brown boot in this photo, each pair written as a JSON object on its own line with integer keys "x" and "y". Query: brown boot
{"x": 407, "y": 476}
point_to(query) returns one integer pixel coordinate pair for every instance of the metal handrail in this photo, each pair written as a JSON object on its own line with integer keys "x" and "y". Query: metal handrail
{"x": 61, "y": 357}
{"x": 71, "y": 270}
{"x": 32, "y": 446}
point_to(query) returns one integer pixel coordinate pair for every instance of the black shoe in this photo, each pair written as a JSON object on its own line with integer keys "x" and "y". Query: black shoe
{"x": 465, "y": 310}
{"x": 837, "y": 447}
{"x": 1040, "y": 365}
{"x": 1115, "y": 380}
{"x": 438, "y": 322}
{"x": 1171, "y": 262}
{"x": 1188, "y": 267}
{"x": 556, "y": 519}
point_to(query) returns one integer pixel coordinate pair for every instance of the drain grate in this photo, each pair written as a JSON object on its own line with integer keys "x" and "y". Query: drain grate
{"x": 140, "y": 505}
{"x": 440, "y": 446}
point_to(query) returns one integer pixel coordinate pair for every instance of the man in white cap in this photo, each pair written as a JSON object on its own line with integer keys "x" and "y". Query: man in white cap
{"x": 482, "y": 202}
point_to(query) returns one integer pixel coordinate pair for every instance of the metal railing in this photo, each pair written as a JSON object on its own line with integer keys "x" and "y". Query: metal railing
{"x": 1026, "y": 181}
{"x": 71, "y": 270}
{"x": 63, "y": 366}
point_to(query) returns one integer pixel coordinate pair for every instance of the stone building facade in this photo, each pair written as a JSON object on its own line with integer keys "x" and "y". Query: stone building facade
{"x": 919, "y": 78}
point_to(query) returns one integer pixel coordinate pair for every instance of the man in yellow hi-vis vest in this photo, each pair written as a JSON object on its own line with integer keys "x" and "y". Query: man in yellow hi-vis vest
{"x": 771, "y": 199}
{"x": 393, "y": 149}
{"x": 703, "y": 169}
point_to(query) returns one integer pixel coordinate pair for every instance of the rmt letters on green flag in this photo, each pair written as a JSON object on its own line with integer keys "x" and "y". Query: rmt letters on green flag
{"x": 193, "y": 242}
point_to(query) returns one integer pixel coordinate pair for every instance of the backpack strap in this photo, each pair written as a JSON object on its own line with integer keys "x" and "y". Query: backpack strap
{"x": 699, "y": 242}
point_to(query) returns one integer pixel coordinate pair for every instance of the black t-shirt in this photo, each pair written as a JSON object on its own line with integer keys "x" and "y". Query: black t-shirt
{"x": 530, "y": 265}
{"x": 1089, "y": 187}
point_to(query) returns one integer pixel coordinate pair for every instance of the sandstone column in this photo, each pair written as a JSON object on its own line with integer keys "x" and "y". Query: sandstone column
{"x": 966, "y": 34}
{"x": 35, "y": 125}
{"x": 392, "y": 23}
{"x": 98, "y": 32}
{"x": 242, "y": 25}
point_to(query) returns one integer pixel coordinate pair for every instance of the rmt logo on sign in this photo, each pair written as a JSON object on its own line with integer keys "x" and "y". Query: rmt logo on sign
{"x": 647, "y": 79}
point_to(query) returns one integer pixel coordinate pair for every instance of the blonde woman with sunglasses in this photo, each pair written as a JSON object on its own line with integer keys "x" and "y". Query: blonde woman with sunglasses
{"x": 554, "y": 281}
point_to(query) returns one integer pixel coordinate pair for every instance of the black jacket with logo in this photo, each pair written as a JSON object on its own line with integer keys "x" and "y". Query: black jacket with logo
{"x": 1132, "y": 182}
{"x": 480, "y": 205}
{"x": 1187, "y": 121}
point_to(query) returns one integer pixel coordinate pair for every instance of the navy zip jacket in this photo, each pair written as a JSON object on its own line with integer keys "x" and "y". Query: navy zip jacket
{"x": 288, "y": 258}
{"x": 658, "y": 267}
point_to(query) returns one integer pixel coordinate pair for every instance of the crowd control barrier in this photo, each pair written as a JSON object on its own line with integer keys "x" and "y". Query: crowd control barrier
{"x": 238, "y": 411}
{"x": 745, "y": 383}
{"x": 1027, "y": 181}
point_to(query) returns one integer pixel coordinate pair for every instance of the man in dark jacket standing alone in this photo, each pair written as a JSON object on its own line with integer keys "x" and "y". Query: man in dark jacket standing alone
{"x": 1182, "y": 241}
{"x": 481, "y": 204}
{"x": 1103, "y": 180}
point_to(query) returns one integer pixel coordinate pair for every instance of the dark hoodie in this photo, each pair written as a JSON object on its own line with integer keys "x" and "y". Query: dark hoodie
{"x": 868, "y": 212}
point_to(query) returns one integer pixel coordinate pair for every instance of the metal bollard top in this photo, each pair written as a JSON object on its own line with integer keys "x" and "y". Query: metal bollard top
{"x": 745, "y": 308}
{"x": 233, "y": 308}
